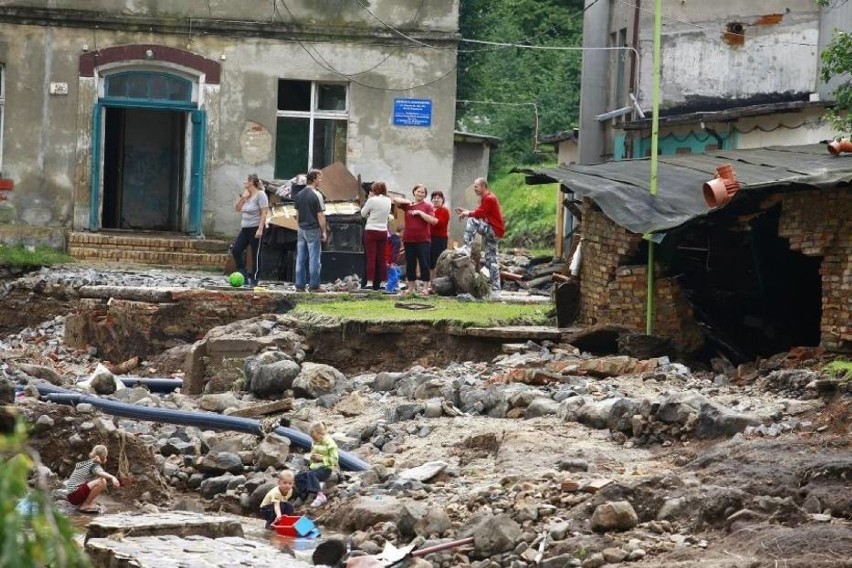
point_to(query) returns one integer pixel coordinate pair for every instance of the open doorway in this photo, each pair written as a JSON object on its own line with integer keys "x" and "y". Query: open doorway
{"x": 144, "y": 165}
{"x": 752, "y": 294}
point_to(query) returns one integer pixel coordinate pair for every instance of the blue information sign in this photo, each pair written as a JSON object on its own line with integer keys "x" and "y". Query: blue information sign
{"x": 412, "y": 112}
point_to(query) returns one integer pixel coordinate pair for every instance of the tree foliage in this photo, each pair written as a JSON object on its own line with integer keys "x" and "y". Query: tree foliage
{"x": 550, "y": 79}
{"x": 837, "y": 62}
{"x": 32, "y": 533}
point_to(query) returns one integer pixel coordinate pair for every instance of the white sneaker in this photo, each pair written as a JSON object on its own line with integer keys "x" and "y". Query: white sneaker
{"x": 320, "y": 500}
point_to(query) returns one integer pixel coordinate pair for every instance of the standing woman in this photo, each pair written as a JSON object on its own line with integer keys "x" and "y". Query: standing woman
{"x": 376, "y": 211}
{"x": 439, "y": 229}
{"x": 417, "y": 237}
{"x": 254, "y": 206}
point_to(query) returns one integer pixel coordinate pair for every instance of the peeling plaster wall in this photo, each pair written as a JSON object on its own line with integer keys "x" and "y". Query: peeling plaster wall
{"x": 47, "y": 148}
{"x": 778, "y": 52}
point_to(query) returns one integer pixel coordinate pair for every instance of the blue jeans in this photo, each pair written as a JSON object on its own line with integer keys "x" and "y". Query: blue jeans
{"x": 308, "y": 251}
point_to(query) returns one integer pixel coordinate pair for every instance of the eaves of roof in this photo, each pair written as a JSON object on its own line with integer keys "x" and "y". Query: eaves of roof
{"x": 726, "y": 115}
{"x": 622, "y": 189}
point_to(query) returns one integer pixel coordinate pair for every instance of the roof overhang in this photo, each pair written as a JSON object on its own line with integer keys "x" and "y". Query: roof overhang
{"x": 622, "y": 189}
{"x": 472, "y": 138}
{"x": 727, "y": 115}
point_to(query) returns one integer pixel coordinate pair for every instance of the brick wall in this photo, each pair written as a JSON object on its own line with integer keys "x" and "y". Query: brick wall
{"x": 816, "y": 223}
{"x": 614, "y": 291}
{"x": 819, "y": 223}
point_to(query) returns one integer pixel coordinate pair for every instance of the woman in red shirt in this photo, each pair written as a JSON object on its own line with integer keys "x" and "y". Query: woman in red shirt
{"x": 417, "y": 237}
{"x": 439, "y": 229}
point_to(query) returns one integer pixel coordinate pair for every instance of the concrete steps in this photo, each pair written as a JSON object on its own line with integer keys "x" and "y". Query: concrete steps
{"x": 156, "y": 249}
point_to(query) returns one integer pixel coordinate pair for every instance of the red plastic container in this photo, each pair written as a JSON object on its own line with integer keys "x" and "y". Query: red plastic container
{"x": 295, "y": 526}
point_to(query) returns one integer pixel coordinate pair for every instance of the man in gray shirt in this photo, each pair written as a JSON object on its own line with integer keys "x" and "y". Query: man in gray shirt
{"x": 310, "y": 208}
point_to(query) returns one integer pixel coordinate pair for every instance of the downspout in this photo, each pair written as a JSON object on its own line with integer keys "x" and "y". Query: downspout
{"x": 655, "y": 142}
{"x": 634, "y": 71}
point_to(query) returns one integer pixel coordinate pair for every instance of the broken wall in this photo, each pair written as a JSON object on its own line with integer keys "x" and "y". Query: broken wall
{"x": 817, "y": 223}
{"x": 613, "y": 285}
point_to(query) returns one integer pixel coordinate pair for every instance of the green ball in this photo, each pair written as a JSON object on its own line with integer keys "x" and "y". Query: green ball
{"x": 236, "y": 279}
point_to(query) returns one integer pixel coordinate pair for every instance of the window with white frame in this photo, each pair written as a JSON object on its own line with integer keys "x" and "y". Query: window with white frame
{"x": 312, "y": 120}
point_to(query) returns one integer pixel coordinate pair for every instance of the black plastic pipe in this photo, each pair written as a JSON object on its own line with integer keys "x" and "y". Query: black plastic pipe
{"x": 189, "y": 418}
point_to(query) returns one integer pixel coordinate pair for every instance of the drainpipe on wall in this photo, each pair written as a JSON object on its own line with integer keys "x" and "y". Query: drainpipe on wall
{"x": 655, "y": 144}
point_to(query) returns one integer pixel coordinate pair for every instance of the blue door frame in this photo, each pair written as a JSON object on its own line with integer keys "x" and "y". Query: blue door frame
{"x": 198, "y": 120}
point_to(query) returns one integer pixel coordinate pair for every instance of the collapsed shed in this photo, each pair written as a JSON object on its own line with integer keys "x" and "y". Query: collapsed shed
{"x": 768, "y": 271}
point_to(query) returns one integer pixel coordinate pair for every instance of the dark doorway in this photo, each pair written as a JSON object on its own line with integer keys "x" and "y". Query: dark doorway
{"x": 751, "y": 293}
{"x": 144, "y": 169}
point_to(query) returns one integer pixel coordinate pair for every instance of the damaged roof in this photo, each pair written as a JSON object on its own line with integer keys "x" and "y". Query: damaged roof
{"x": 622, "y": 189}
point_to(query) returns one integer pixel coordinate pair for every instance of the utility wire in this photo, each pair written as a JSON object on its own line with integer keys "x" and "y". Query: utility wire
{"x": 325, "y": 64}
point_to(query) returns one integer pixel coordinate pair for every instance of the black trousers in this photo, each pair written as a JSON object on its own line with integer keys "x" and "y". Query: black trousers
{"x": 245, "y": 238}
{"x": 268, "y": 512}
{"x": 417, "y": 254}
{"x": 308, "y": 482}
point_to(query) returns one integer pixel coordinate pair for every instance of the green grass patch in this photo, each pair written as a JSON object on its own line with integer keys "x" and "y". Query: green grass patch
{"x": 840, "y": 368}
{"x": 529, "y": 211}
{"x": 435, "y": 310}
{"x": 25, "y": 257}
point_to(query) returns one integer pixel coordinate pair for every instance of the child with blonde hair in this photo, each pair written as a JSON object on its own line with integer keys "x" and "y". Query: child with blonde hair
{"x": 277, "y": 501}
{"x": 325, "y": 460}
{"x": 87, "y": 481}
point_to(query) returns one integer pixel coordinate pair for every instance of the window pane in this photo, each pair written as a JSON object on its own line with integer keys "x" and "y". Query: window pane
{"x": 146, "y": 85}
{"x": 331, "y": 97}
{"x": 291, "y": 147}
{"x": 294, "y": 95}
{"x": 329, "y": 142}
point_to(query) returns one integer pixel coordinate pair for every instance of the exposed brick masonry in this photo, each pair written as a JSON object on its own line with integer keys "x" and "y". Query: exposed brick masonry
{"x": 819, "y": 223}
{"x": 614, "y": 292}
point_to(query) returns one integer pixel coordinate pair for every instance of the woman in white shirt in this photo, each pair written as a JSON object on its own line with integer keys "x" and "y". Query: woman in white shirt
{"x": 376, "y": 211}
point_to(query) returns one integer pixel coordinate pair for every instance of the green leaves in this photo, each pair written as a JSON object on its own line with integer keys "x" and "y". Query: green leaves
{"x": 837, "y": 63}
{"x": 549, "y": 79}
{"x": 32, "y": 532}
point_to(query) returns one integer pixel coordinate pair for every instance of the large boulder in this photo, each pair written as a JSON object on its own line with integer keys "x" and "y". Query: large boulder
{"x": 615, "y": 515}
{"x": 274, "y": 379}
{"x": 272, "y": 451}
{"x": 461, "y": 271}
{"x": 496, "y": 534}
{"x": 317, "y": 380}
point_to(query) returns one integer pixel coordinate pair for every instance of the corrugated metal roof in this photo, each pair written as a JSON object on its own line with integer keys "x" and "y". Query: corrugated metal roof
{"x": 621, "y": 189}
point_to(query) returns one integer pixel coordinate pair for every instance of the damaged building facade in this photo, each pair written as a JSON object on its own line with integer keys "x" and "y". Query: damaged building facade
{"x": 772, "y": 268}
{"x": 148, "y": 116}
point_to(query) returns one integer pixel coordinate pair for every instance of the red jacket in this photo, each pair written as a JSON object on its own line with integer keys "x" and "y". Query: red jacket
{"x": 489, "y": 209}
{"x": 439, "y": 229}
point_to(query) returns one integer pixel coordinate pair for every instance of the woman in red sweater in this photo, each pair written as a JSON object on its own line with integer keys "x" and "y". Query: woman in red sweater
{"x": 439, "y": 229}
{"x": 417, "y": 237}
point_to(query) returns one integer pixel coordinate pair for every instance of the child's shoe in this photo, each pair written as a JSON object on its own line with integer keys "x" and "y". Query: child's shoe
{"x": 320, "y": 500}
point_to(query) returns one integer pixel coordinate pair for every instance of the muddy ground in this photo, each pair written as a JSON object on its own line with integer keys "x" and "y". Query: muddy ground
{"x": 777, "y": 494}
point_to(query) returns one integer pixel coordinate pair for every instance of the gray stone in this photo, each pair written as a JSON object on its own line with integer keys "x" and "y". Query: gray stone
{"x": 717, "y": 422}
{"x": 595, "y": 560}
{"x": 213, "y": 486}
{"x": 559, "y": 530}
{"x": 573, "y": 464}
{"x": 274, "y": 379}
{"x": 424, "y": 472}
{"x": 614, "y": 515}
{"x": 102, "y": 381}
{"x": 676, "y": 408}
{"x": 496, "y": 534}
{"x": 176, "y": 446}
{"x": 385, "y": 382}
{"x": 272, "y": 451}
{"x": 561, "y": 561}
{"x": 541, "y": 406}
{"x": 317, "y": 380}
{"x": 404, "y": 412}
{"x": 220, "y": 462}
{"x": 219, "y": 402}
{"x": 40, "y": 372}
{"x": 433, "y": 408}
{"x": 364, "y": 512}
